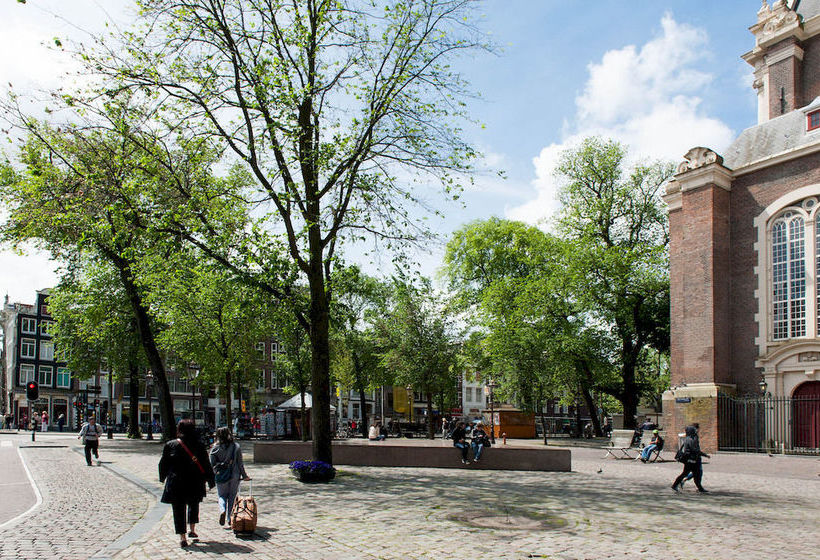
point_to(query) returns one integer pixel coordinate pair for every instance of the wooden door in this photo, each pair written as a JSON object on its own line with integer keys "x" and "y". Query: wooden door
{"x": 806, "y": 415}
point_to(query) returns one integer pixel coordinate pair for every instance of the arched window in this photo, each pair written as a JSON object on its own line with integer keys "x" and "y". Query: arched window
{"x": 789, "y": 276}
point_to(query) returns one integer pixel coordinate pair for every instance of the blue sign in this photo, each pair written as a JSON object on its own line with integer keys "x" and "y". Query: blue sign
{"x": 683, "y": 400}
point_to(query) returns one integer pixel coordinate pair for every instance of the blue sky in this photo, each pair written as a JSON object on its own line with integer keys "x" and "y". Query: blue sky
{"x": 661, "y": 76}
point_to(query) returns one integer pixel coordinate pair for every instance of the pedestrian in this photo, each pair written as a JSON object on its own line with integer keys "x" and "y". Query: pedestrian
{"x": 229, "y": 470}
{"x": 44, "y": 421}
{"x": 480, "y": 440}
{"x": 185, "y": 469}
{"x": 7, "y": 420}
{"x": 90, "y": 435}
{"x": 460, "y": 441}
{"x": 35, "y": 421}
{"x": 61, "y": 421}
{"x": 690, "y": 455}
{"x": 691, "y": 475}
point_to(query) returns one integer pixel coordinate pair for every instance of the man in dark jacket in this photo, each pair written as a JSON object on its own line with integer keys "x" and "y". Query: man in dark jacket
{"x": 460, "y": 441}
{"x": 690, "y": 455}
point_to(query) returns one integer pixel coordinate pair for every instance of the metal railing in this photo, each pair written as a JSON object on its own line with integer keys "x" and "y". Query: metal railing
{"x": 789, "y": 425}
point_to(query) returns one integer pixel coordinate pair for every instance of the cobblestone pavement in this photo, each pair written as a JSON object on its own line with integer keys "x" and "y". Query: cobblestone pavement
{"x": 83, "y": 508}
{"x": 757, "y": 509}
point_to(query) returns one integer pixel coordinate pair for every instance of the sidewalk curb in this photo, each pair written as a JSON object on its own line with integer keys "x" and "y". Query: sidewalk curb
{"x": 148, "y": 521}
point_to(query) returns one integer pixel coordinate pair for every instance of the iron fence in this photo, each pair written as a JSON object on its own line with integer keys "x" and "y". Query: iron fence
{"x": 789, "y": 425}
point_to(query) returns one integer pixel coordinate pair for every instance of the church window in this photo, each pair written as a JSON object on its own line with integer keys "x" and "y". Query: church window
{"x": 788, "y": 277}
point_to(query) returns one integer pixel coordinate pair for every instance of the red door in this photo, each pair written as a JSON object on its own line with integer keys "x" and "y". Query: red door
{"x": 806, "y": 415}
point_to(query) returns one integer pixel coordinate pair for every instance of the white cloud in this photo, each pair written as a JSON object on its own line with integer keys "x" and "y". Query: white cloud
{"x": 645, "y": 98}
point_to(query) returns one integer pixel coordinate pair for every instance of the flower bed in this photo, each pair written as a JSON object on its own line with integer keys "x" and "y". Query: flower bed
{"x": 313, "y": 471}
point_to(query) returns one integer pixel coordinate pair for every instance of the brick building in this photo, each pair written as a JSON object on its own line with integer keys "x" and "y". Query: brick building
{"x": 745, "y": 241}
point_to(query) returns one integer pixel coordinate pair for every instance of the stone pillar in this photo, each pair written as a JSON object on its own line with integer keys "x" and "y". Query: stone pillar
{"x": 699, "y": 267}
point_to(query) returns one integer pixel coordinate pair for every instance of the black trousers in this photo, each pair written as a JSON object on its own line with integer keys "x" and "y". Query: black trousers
{"x": 179, "y": 515}
{"x": 697, "y": 473}
{"x": 89, "y": 447}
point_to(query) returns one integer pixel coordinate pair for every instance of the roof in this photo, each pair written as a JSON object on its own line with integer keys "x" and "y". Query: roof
{"x": 807, "y": 8}
{"x": 776, "y": 136}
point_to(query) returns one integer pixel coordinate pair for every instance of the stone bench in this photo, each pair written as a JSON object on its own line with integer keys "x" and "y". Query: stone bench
{"x": 433, "y": 455}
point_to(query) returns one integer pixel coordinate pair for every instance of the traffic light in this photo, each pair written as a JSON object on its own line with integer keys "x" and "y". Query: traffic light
{"x": 32, "y": 391}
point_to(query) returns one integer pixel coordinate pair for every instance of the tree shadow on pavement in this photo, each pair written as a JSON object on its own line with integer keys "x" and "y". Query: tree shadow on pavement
{"x": 219, "y": 546}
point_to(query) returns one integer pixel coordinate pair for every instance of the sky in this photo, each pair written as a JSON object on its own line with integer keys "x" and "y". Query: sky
{"x": 659, "y": 76}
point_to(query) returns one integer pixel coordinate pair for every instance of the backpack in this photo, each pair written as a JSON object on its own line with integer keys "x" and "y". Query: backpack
{"x": 224, "y": 469}
{"x": 681, "y": 455}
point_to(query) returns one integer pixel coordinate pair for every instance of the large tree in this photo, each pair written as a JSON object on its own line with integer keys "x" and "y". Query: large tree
{"x": 334, "y": 106}
{"x": 614, "y": 218}
{"x": 420, "y": 342}
{"x": 77, "y": 191}
{"x": 95, "y": 324}
{"x": 212, "y": 320}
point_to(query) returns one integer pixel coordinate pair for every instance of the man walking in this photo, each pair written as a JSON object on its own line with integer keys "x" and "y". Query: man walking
{"x": 690, "y": 455}
{"x": 90, "y": 434}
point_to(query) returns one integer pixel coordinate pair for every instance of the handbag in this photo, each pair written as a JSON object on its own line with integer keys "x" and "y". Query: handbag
{"x": 223, "y": 470}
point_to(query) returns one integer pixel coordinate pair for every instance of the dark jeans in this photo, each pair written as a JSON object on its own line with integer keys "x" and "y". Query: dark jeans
{"x": 179, "y": 515}
{"x": 464, "y": 447}
{"x": 89, "y": 447}
{"x": 697, "y": 473}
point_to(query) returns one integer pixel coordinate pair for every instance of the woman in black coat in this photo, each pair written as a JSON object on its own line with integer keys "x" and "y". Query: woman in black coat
{"x": 185, "y": 469}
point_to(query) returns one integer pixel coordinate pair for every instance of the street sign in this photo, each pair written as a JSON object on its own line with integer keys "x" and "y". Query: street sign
{"x": 683, "y": 400}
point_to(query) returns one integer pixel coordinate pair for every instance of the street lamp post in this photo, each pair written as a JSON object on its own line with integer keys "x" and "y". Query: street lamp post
{"x": 110, "y": 405}
{"x": 149, "y": 387}
{"x": 491, "y": 386}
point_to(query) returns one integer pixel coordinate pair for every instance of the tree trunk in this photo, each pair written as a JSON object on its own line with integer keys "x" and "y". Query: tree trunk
{"x": 431, "y": 429}
{"x": 149, "y": 345}
{"x": 578, "y": 427}
{"x": 629, "y": 398}
{"x": 302, "y": 417}
{"x": 134, "y": 401}
{"x": 363, "y": 406}
{"x": 593, "y": 411}
{"x": 320, "y": 358}
{"x": 228, "y": 401}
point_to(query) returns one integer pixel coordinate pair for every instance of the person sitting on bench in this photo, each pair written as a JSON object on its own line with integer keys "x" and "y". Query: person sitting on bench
{"x": 655, "y": 443}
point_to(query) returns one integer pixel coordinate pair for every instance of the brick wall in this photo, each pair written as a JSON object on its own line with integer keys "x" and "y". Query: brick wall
{"x": 810, "y": 83}
{"x": 750, "y": 195}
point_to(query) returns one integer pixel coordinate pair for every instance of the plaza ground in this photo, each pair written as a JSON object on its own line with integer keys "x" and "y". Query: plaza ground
{"x": 759, "y": 507}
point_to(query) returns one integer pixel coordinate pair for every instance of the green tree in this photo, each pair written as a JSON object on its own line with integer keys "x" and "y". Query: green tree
{"x": 211, "y": 319}
{"x": 613, "y": 217}
{"x": 534, "y": 336}
{"x": 327, "y": 103}
{"x": 420, "y": 342}
{"x": 80, "y": 192}
{"x": 356, "y": 361}
{"x": 94, "y": 323}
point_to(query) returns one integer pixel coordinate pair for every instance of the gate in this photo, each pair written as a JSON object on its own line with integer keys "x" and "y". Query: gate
{"x": 769, "y": 424}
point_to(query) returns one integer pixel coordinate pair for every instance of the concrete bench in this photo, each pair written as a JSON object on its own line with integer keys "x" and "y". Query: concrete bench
{"x": 433, "y": 455}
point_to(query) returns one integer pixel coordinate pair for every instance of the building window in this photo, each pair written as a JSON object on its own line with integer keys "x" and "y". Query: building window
{"x": 27, "y": 348}
{"x": 26, "y": 373}
{"x": 274, "y": 382}
{"x": 44, "y": 309}
{"x": 260, "y": 380}
{"x": 788, "y": 277}
{"x": 813, "y": 120}
{"x": 274, "y": 349}
{"x": 28, "y": 325}
{"x": 45, "y": 327}
{"x": 46, "y": 350}
{"x": 260, "y": 349}
{"x": 63, "y": 378}
{"x": 468, "y": 393}
{"x": 45, "y": 376}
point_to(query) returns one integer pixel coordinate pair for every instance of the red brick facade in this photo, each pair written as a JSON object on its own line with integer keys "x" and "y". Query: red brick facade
{"x": 717, "y": 219}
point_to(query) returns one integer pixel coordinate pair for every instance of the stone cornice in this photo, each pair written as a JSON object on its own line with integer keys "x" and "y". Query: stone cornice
{"x": 673, "y": 197}
{"x": 702, "y": 167}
